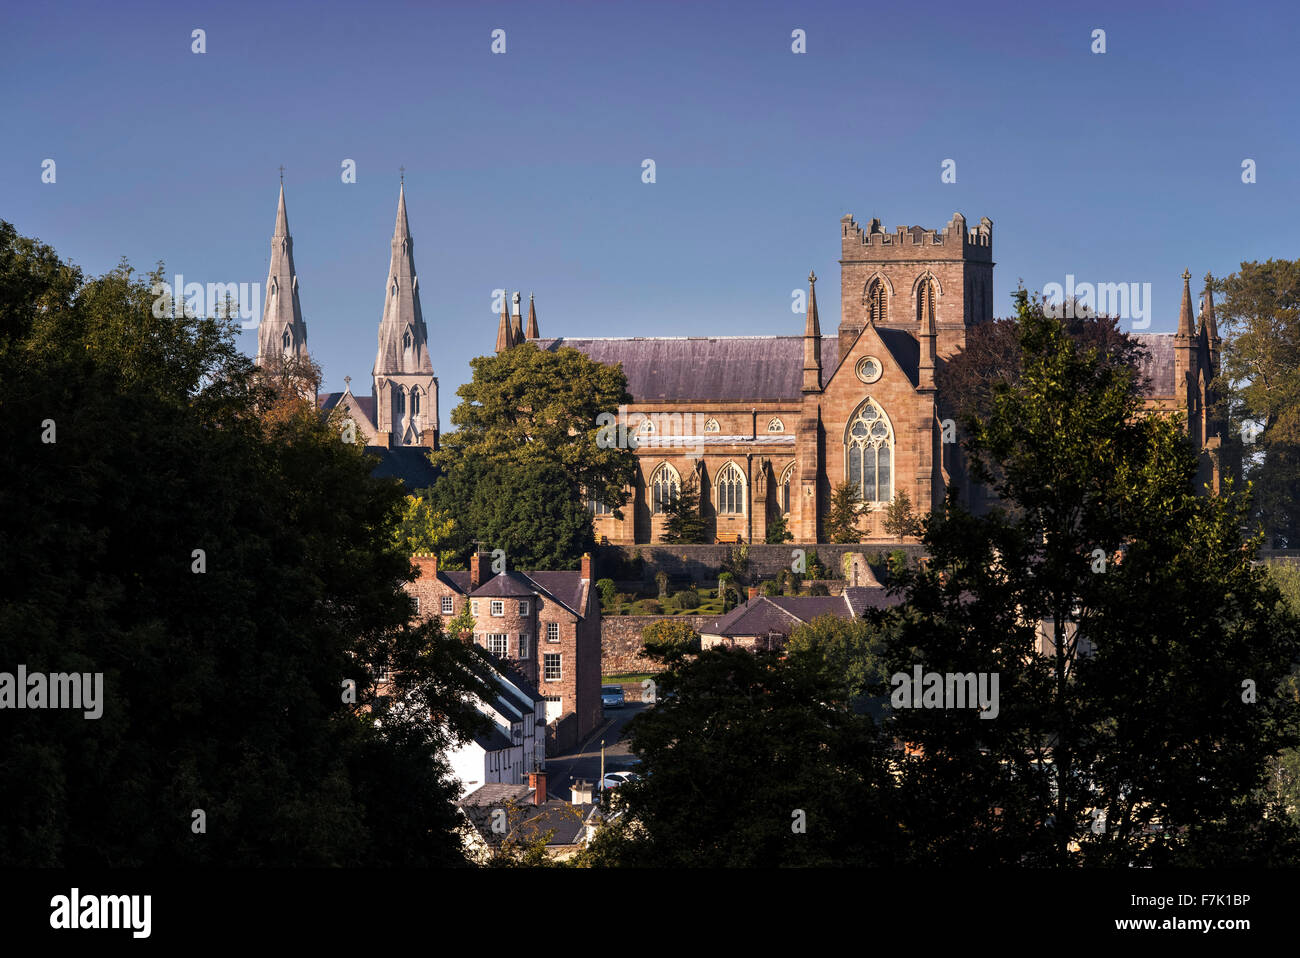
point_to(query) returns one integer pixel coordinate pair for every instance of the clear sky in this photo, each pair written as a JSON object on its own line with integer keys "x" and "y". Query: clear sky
{"x": 523, "y": 169}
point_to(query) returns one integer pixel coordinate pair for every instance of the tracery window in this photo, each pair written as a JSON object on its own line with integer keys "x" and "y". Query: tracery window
{"x": 876, "y": 308}
{"x": 869, "y": 453}
{"x": 776, "y": 425}
{"x": 783, "y": 490}
{"x": 925, "y": 300}
{"x": 731, "y": 490}
{"x": 665, "y": 485}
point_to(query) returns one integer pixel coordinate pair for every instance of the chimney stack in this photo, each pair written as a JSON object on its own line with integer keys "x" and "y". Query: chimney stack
{"x": 581, "y": 792}
{"x": 586, "y": 567}
{"x": 537, "y": 782}
{"x": 476, "y": 564}
{"x": 427, "y": 563}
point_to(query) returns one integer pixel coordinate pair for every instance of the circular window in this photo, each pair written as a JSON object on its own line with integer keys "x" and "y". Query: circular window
{"x": 869, "y": 369}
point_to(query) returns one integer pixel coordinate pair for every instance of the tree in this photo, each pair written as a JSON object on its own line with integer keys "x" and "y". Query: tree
{"x": 901, "y": 522}
{"x": 850, "y": 653}
{"x": 608, "y": 591}
{"x": 842, "y": 519}
{"x": 750, "y": 762}
{"x": 727, "y": 590}
{"x": 227, "y": 570}
{"x": 670, "y": 638}
{"x": 1126, "y": 728}
{"x": 778, "y": 530}
{"x": 1259, "y": 318}
{"x": 425, "y": 530}
{"x": 529, "y": 452}
{"x": 684, "y": 524}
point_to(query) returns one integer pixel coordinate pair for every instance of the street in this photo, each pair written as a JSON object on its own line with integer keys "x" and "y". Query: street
{"x": 584, "y": 762}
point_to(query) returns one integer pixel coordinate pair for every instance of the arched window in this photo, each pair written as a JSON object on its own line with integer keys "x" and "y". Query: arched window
{"x": 925, "y": 300}
{"x": 783, "y": 490}
{"x": 711, "y": 425}
{"x": 869, "y": 453}
{"x": 399, "y": 400}
{"x": 415, "y": 401}
{"x": 665, "y": 485}
{"x": 776, "y": 425}
{"x": 406, "y": 339}
{"x": 287, "y": 340}
{"x": 876, "y": 309}
{"x": 731, "y": 491}
{"x": 647, "y": 427}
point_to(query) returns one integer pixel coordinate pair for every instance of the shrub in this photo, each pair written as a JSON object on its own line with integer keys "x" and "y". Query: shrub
{"x": 606, "y": 589}
{"x": 687, "y": 599}
{"x": 661, "y": 580}
{"x": 648, "y": 607}
{"x": 819, "y": 588}
{"x": 771, "y": 587}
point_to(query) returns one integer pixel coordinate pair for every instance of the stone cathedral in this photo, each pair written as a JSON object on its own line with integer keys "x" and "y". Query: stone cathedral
{"x": 786, "y": 418}
{"x": 778, "y": 421}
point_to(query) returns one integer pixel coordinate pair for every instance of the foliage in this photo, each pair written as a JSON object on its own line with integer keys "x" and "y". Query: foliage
{"x": 221, "y": 680}
{"x": 684, "y": 524}
{"x": 423, "y": 529}
{"x": 648, "y": 607}
{"x": 778, "y": 529}
{"x": 901, "y": 521}
{"x": 842, "y": 517}
{"x": 849, "y": 652}
{"x": 818, "y": 588}
{"x": 815, "y": 568}
{"x": 670, "y": 637}
{"x": 607, "y": 590}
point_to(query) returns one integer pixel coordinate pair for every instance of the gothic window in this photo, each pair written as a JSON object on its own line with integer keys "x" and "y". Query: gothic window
{"x": 776, "y": 425}
{"x": 731, "y": 490}
{"x": 876, "y": 309}
{"x": 869, "y": 453}
{"x": 783, "y": 491}
{"x": 399, "y": 400}
{"x": 711, "y": 425}
{"x": 406, "y": 339}
{"x": 415, "y": 401}
{"x": 597, "y": 508}
{"x": 925, "y": 300}
{"x": 646, "y": 427}
{"x": 288, "y": 340}
{"x": 665, "y": 485}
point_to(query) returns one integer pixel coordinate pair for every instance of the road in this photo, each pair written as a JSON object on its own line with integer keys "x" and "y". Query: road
{"x": 584, "y": 761}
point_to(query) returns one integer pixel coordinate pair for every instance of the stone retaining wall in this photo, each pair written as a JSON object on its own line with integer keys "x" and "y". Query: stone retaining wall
{"x": 620, "y": 640}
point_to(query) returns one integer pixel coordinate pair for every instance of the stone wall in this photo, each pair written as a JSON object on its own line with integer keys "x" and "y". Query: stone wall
{"x": 701, "y": 564}
{"x": 620, "y": 640}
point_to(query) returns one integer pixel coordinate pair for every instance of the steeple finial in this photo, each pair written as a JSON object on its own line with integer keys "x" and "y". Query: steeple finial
{"x": 401, "y": 172}
{"x": 1211, "y": 324}
{"x": 532, "y": 332}
{"x": 282, "y": 174}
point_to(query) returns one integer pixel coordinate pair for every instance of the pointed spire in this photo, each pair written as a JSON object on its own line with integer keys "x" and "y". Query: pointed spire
{"x": 1185, "y": 315}
{"x": 282, "y": 333}
{"x": 532, "y": 331}
{"x": 926, "y": 336}
{"x": 1210, "y": 323}
{"x": 504, "y": 338}
{"x": 401, "y": 229}
{"x": 812, "y": 341}
{"x": 516, "y": 323}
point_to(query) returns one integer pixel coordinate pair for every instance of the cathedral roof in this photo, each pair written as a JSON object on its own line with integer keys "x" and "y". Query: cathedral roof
{"x": 706, "y": 368}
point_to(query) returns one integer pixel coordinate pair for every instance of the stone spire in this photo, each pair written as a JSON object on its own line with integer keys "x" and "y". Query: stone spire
{"x": 812, "y": 341}
{"x": 532, "y": 331}
{"x": 504, "y": 337}
{"x": 926, "y": 337}
{"x": 516, "y": 323}
{"x": 283, "y": 333}
{"x": 1211, "y": 325}
{"x": 1185, "y": 327}
{"x": 405, "y": 388}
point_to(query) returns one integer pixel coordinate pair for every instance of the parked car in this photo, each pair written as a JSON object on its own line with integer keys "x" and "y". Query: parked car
{"x": 611, "y": 696}
{"x": 615, "y": 779}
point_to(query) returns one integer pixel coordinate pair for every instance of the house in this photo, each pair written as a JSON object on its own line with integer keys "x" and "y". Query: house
{"x": 521, "y": 813}
{"x": 544, "y": 625}
{"x": 513, "y": 744}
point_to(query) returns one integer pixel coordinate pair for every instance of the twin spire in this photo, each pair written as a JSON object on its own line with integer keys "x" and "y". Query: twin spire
{"x": 510, "y": 329}
{"x": 283, "y": 332}
{"x": 403, "y": 338}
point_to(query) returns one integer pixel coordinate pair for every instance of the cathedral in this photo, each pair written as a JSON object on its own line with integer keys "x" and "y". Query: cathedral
{"x": 775, "y": 422}
{"x": 772, "y": 423}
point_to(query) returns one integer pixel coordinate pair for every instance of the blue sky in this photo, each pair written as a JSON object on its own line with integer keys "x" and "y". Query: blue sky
{"x": 523, "y": 170}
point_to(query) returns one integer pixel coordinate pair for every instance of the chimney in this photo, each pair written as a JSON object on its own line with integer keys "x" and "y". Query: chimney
{"x": 753, "y": 592}
{"x": 537, "y": 782}
{"x": 581, "y": 792}
{"x": 586, "y": 567}
{"x": 476, "y": 562}
{"x": 427, "y": 563}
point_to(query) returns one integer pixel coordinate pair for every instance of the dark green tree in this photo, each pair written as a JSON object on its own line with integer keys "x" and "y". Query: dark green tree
{"x": 842, "y": 517}
{"x": 684, "y": 524}
{"x": 196, "y": 534}
{"x": 778, "y": 530}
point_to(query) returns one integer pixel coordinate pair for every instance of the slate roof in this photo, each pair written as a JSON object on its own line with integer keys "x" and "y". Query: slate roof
{"x": 904, "y": 348}
{"x": 762, "y": 614}
{"x": 564, "y": 587}
{"x": 492, "y": 739}
{"x": 532, "y": 819}
{"x": 409, "y": 463}
{"x": 365, "y": 404}
{"x": 706, "y": 368}
{"x": 1159, "y": 363}
{"x": 505, "y": 585}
